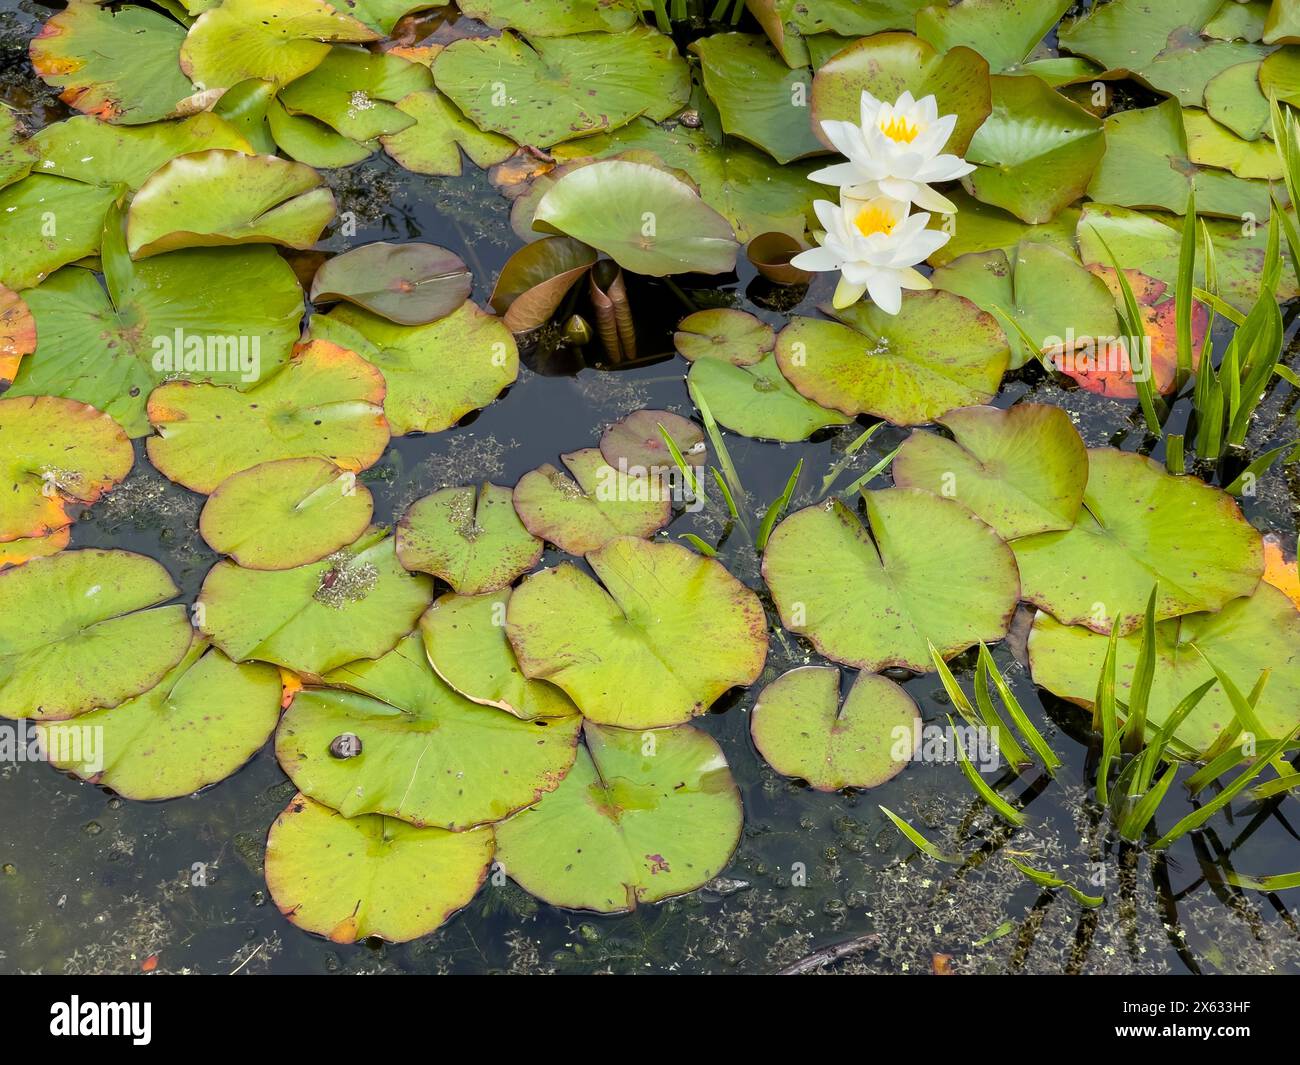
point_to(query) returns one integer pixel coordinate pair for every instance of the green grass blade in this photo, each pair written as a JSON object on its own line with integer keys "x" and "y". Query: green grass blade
{"x": 1040, "y": 746}
{"x": 875, "y": 471}
{"x": 1277, "y": 882}
{"x": 1183, "y": 291}
{"x": 847, "y": 457}
{"x": 919, "y": 841}
{"x": 687, "y": 471}
{"x": 982, "y": 788}
{"x": 1144, "y": 673}
{"x": 777, "y": 509}
{"x": 704, "y": 548}
{"x": 1105, "y": 716}
{"x": 1007, "y": 745}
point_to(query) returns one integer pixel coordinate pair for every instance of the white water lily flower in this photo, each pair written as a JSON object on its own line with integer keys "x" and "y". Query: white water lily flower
{"x": 896, "y": 152}
{"x": 876, "y": 245}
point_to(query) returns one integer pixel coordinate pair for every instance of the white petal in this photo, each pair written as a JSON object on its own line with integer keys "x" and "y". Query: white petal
{"x": 847, "y": 294}
{"x": 828, "y": 214}
{"x": 944, "y": 168}
{"x": 912, "y": 279}
{"x": 933, "y": 201}
{"x": 816, "y": 260}
{"x": 836, "y": 174}
{"x": 886, "y": 293}
{"x": 898, "y": 188}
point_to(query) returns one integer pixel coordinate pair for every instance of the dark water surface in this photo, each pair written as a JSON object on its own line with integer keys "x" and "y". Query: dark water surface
{"x": 93, "y": 883}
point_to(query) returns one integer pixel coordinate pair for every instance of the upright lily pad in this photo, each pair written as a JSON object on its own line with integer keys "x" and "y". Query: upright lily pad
{"x": 635, "y": 444}
{"x": 1250, "y": 635}
{"x": 56, "y": 453}
{"x": 471, "y": 538}
{"x": 83, "y": 629}
{"x": 760, "y": 99}
{"x": 195, "y": 727}
{"x": 435, "y": 373}
{"x": 802, "y": 730}
{"x": 644, "y": 218}
{"x": 880, "y": 598}
{"x": 356, "y": 603}
{"x": 220, "y": 198}
{"x": 465, "y": 639}
{"x": 324, "y": 403}
{"x": 554, "y": 19}
{"x": 745, "y": 186}
{"x": 1141, "y": 525}
{"x": 17, "y": 333}
{"x": 1002, "y": 31}
{"x": 629, "y": 654}
{"x": 757, "y": 400}
{"x": 410, "y": 284}
{"x": 278, "y": 515}
{"x": 351, "y": 878}
{"x": 1023, "y": 470}
{"x": 598, "y": 503}
{"x": 1036, "y": 152}
{"x": 638, "y": 819}
{"x": 205, "y": 314}
{"x": 49, "y": 222}
{"x": 889, "y": 64}
{"x": 1146, "y": 165}
{"x": 1048, "y": 292}
{"x": 426, "y": 754}
{"x": 536, "y": 278}
{"x": 433, "y": 145}
{"x": 119, "y": 65}
{"x": 544, "y": 91}
{"x": 241, "y": 39}
{"x": 724, "y": 333}
{"x": 85, "y": 149}
{"x": 939, "y": 352}
{"x": 353, "y": 91}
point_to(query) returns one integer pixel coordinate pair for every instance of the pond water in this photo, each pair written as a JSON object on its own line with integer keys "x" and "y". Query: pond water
{"x": 92, "y": 883}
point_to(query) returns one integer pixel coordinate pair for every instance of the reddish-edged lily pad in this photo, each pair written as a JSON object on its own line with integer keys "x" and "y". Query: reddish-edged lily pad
{"x": 17, "y": 333}
{"x": 635, "y": 443}
{"x": 410, "y": 284}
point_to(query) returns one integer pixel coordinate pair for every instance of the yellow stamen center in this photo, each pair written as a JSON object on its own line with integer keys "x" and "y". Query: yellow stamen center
{"x": 875, "y": 219}
{"x": 900, "y": 129}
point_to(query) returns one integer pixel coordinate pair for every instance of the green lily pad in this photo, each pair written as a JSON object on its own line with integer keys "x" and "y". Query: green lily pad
{"x": 1003, "y": 31}
{"x": 986, "y": 228}
{"x": 939, "y": 352}
{"x": 220, "y": 198}
{"x": 1250, "y": 635}
{"x": 760, "y": 99}
{"x": 353, "y": 92}
{"x": 287, "y": 513}
{"x": 638, "y": 819}
{"x": 598, "y": 503}
{"x": 1141, "y": 525}
{"x": 49, "y": 222}
{"x": 644, "y": 218}
{"x": 634, "y": 443}
{"x": 554, "y": 19}
{"x": 724, "y": 333}
{"x": 1022, "y": 470}
{"x": 85, "y": 149}
{"x": 1047, "y": 291}
{"x": 351, "y": 878}
{"x": 757, "y": 400}
{"x": 1160, "y": 43}
{"x": 241, "y": 39}
{"x": 245, "y": 106}
{"x": 1282, "y": 24}
{"x": 324, "y": 403}
{"x": 356, "y": 603}
{"x": 880, "y": 598}
{"x": 465, "y": 639}
{"x": 435, "y": 373}
{"x": 384, "y": 15}
{"x": 433, "y": 144}
{"x": 1279, "y": 75}
{"x": 1036, "y": 152}
{"x": 536, "y": 278}
{"x": 889, "y": 64}
{"x": 56, "y": 453}
{"x": 1238, "y": 21}
{"x": 83, "y": 629}
{"x": 618, "y": 651}
{"x": 744, "y": 185}
{"x": 119, "y": 65}
{"x": 312, "y": 142}
{"x": 195, "y": 727}
{"x": 204, "y": 314}
{"x": 554, "y": 89}
{"x": 801, "y": 729}
{"x": 1146, "y": 165}
{"x": 18, "y": 154}
{"x": 1210, "y": 144}
{"x": 1151, "y": 243}
{"x": 471, "y": 538}
{"x": 1233, "y": 98}
{"x": 410, "y": 284}
{"x": 427, "y": 754}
